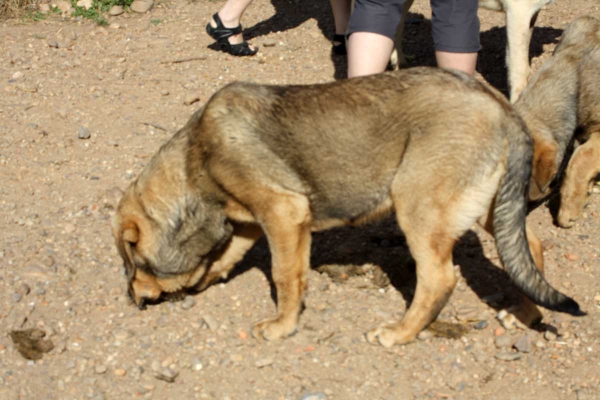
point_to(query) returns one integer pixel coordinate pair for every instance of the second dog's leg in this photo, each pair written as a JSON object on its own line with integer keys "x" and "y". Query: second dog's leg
{"x": 583, "y": 168}
{"x": 520, "y": 20}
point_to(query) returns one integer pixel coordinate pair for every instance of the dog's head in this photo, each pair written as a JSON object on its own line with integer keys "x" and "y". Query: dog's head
{"x": 167, "y": 237}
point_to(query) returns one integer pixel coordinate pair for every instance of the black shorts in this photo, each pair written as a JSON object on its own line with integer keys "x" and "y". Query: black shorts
{"x": 454, "y": 23}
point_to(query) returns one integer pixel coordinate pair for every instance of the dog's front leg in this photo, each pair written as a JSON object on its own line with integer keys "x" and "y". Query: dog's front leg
{"x": 520, "y": 20}
{"x": 575, "y": 190}
{"x": 286, "y": 218}
{"x": 244, "y": 237}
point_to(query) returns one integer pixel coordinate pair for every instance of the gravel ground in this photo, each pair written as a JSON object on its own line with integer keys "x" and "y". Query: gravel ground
{"x": 83, "y": 107}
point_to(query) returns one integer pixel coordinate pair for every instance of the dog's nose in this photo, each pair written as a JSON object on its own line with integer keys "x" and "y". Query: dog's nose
{"x": 142, "y": 304}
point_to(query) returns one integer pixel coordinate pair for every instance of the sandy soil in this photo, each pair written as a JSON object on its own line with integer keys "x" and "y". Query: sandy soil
{"x": 61, "y": 273}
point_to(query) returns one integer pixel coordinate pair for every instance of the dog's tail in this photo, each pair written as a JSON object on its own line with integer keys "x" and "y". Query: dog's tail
{"x": 509, "y": 225}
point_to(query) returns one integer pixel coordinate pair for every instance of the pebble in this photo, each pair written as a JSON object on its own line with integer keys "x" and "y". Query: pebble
{"x": 84, "y": 133}
{"x": 166, "y": 374}
{"x": 23, "y": 289}
{"x": 243, "y": 335}
{"x": 481, "y": 325}
{"x": 210, "y": 322}
{"x": 141, "y": 6}
{"x": 466, "y": 313}
{"x": 191, "y": 99}
{"x": 549, "y": 336}
{"x": 571, "y": 257}
{"x": 263, "y": 362}
{"x": 188, "y": 302}
{"x": 121, "y": 334}
{"x": 115, "y": 10}
{"x": 313, "y": 396}
{"x": 507, "y": 356}
{"x": 499, "y": 331}
{"x": 164, "y": 92}
{"x": 100, "y": 369}
{"x": 17, "y": 75}
{"x": 425, "y": 335}
{"x": 16, "y": 297}
{"x": 523, "y": 344}
{"x": 503, "y": 341}
{"x": 120, "y": 372}
{"x": 114, "y": 25}
{"x": 197, "y": 364}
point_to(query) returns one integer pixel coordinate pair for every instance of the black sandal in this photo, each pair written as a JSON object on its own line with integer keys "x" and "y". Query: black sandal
{"x": 339, "y": 44}
{"x": 222, "y": 34}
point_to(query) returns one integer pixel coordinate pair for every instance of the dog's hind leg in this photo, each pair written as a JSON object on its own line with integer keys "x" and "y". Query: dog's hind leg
{"x": 576, "y": 188}
{"x": 285, "y": 219}
{"x": 520, "y": 20}
{"x": 430, "y": 240}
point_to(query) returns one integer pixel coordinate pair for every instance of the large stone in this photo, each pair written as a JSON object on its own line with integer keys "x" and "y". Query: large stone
{"x": 115, "y": 10}
{"x": 141, "y": 6}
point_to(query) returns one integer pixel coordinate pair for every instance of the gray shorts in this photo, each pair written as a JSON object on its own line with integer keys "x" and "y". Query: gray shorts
{"x": 454, "y": 23}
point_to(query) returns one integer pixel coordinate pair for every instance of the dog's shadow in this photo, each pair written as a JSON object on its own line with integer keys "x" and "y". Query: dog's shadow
{"x": 383, "y": 244}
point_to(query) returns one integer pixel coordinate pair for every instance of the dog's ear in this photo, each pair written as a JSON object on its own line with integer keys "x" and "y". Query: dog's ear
{"x": 131, "y": 233}
{"x": 544, "y": 169}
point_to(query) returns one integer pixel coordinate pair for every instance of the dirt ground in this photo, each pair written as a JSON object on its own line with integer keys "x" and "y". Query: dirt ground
{"x": 62, "y": 80}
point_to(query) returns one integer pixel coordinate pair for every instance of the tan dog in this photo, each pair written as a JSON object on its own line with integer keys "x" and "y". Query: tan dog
{"x": 440, "y": 149}
{"x": 562, "y": 104}
{"x": 520, "y": 20}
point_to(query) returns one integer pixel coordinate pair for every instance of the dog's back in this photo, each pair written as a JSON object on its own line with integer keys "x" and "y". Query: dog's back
{"x": 327, "y": 141}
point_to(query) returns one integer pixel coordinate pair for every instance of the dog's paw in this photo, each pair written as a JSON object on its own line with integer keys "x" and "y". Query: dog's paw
{"x": 522, "y": 316}
{"x": 387, "y": 336}
{"x": 273, "y": 329}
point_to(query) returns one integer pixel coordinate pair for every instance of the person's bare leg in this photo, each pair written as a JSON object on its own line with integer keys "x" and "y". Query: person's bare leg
{"x": 231, "y": 16}
{"x": 368, "y": 53}
{"x": 466, "y": 62}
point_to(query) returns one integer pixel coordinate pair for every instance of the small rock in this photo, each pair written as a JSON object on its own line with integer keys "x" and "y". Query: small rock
{"x": 64, "y": 6}
{"x": 141, "y": 6}
{"x": 115, "y": 10}
{"x": 210, "y": 322}
{"x": 191, "y": 99}
{"x": 571, "y": 256}
{"x": 164, "y": 92}
{"x": 121, "y": 334}
{"x": 17, "y": 75}
{"x": 549, "y": 336}
{"x": 188, "y": 302}
{"x": 120, "y": 372}
{"x": 87, "y": 4}
{"x": 23, "y": 289}
{"x": 499, "y": 331}
{"x": 540, "y": 344}
{"x": 503, "y": 341}
{"x": 425, "y": 335}
{"x": 243, "y": 335}
{"x": 114, "y": 25}
{"x": 313, "y": 396}
{"x": 264, "y": 362}
{"x": 269, "y": 43}
{"x": 466, "y": 313}
{"x": 16, "y": 297}
{"x": 100, "y": 369}
{"x": 84, "y": 133}
{"x": 197, "y": 364}
{"x": 507, "y": 356}
{"x": 69, "y": 228}
{"x": 523, "y": 344}
{"x": 166, "y": 374}
{"x": 481, "y": 325}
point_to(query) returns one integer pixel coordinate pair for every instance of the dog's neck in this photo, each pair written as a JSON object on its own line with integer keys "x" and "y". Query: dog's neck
{"x": 548, "y": 104}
